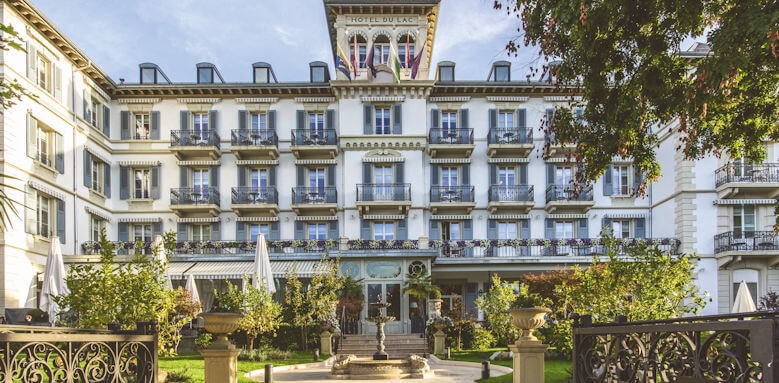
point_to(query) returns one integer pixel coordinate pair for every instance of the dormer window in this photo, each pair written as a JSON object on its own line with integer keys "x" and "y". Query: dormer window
{"x": 152, "y": 74}
{"x": 501, "y": 71}
{"x": 319, "y": 72}
{"x": 446, "y": 71}
{"x": 262, "y": 73}
{"x": 207, "y": 74}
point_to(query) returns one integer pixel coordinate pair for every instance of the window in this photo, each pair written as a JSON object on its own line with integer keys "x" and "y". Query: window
{"x": 142, "y": 183}
{"x": 318, "y": 74}
{"x": 507, "y": 230}
{"x": 201, "y": 232}
{"x": 200, "y": 127}
{"x": 255, "y": 229}
{"x": 142, "y": 232}
{"x": 507, "y": 176}
{"x": 502, "y": 73}
{"x": 205, "y": 75}
{"x": 451, "y": 231}
{"x": 383, "y": 230}
{"x": 97, "y": 176}
{"x": 445, "y": 73}
{"x": 148, "y": 75}
{"x": 621, "y": 229}
{"x": 316, "y": 178}
{"x": 142, "y": 126}
{"x": 406, "y": 60}
{"x": 382, "y": 120}
{"x": 381, "y": 52}
{"x": 382, "y": 177}
{"x": 44, "y": 216}
{"x": 259, "y": 125}
{"x": 362, "y": 51}
{"x": 91, "y": 115}
{"x": 317, "y": 231}
{"x": 448, "y": 125}
{"x": 743, "y": 221}
{"x": 96, "y": 226}
{"x": 316, "y": 124}
{"x": 449, "y": 176}
{"x": 505, "y": 120}
{"x": 564, "y": 229}
{"x": 259, "y": 178}
{"x": 44, "y": 73}
{"x": 261, "y": 75}
{"x": 621, "y": 177}
{"x": 200, "y": 183}
{"x": 46, "y": 150}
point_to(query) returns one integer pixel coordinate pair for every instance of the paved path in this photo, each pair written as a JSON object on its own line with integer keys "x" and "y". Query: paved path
{"x": 444, "y": 372}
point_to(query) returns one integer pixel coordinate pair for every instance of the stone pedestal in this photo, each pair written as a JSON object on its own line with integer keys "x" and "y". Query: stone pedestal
{"x": 439, "y": 342}
{"x": 528, "y": 361}
{"x": 434, "y": 307}
{"x": 326, "y": 343}
{"x": 221, "y": 365}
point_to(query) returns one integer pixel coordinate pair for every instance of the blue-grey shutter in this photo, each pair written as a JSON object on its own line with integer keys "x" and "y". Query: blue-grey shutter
{"x": 400, "y": 188}
{"x": 464, "y": 135}
{"x": 213, "y": 172}
{"x": 397, "y": 119}
{"x": 272, "y": 120}
{"x": 493, "y": 174}
{"x": 123, "y": 232}
{"x": 243, "y": 117}
{"x": 549, "y": 114}
{"x": 216, "y": 235}
{"x": 402, "y": 229}
{"x": 300, "y": 119}
{"x": 32, "y": 137}
{"x": 181, "y": 235}
{"x": 332, "y": 230}
{"x": 550, "y": 174}
{"x": 156, "y": 229}
{"x": 241, "y": 175}
{"x": 367, "y": 173}
{"x": 583, "y": 228}
{"x": 59, "y": 156}
{"x": 522, "y": 125}
{"x": 240, "y": 231}
{"x": 32, "y": 62}
{"x": 107, "y": 121}
{"x": 107, "y": 180}
{"x": 466, "y": 183}
{"x": 154, "y": 131}
{"x": 608, "y": 183}
{"x": 272, "y": 175}
{"x": 524, "y": 229}
{"x": 435, "y": 118}
{"x": 301, "y": 176}
{"x": 84, "y": 104}
{"x": 467, "y": 229}
{"x": 637, "y": 179}
{"x": 471, "y": 293}
{"x": 640, "y": 227}
{"x": 273, "y": 231}
{"x": 606, "y": 226}
{"x": 331, "y": 175}
{"x": 124, "y": 182}
{"x": 367, "y": 119}
{"x": 184, "y": 121}
{"x": 87, "y": 169}
{"x": 300, "y": 230}
{"x": 435, "y": 229}
{"x": 548, "y": 228}
{"x": 61, "y": 219}
{"x": 124, "y": 125}
{"x": 365, "y": 229}
{"x": 493, "y": 120}
{"x": 492, "y": 229}
{"x": 213, "y": 123}
{"x": 522, "y": 174}
{"x": 399, "y": 170}
{"x": 434, "y": 179}
{"x": 330, "y": 119}
{"x": 30, "y": 213}
{"x": 184, "y": 176}
{"x": 155, "y": 182}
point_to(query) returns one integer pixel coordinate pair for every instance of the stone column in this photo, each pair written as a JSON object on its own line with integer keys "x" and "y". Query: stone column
{"x": 528, "y": 361}
{"x": 423, "y": 243}
{"x": 326, "y": 343}
{"x": 221, "y": 365}
{"x": 343, "y": 243}
{"x": 439, "y": 343}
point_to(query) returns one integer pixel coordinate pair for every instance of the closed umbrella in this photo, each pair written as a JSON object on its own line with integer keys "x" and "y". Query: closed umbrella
{"x": 262, "y": 271}
{"x": 744, "y": 302}
{"x": 192, "y": 288}
{"x": 159, "y": 252}
{"x": 53, "y": 280}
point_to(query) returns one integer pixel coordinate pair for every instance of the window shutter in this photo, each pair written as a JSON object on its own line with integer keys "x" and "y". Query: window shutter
{"x": 435, "y": 229}
{"x": 606, "y": 226}
{"x": 182, "y": 232}
{"x": 155, "y": 182}
{"x": 640, "y": 227}
{"x": 241, "y": 175}
{"x": 465, "y": 175}
{"x": 493, "y": 118}
{"x": 524, "y": 229}
{"x": 434, "y": 180}
{"x": 301, "y": 176}
{"x": 464, "y": 137}
{"x": 300, "y": 230}
{"x": 184, "y": 176}
{"x": 61, "y": 219}
{"x": 493, "y": 174}
{"x": 522, "y": 168}
{"x": 57, "y": 82}
{"x": 154, "y": 130}
{"x": 59, "y": 156}
{"x": 402, "y": 229}
{"x": 550, "y": 178}
{"x": 124, "y": 125}
{"x": 272, "y": 176}
{"x": 85, "y": 103}
{"x": 367, "y": 119}
{"x": 399, "y": 176}
{"x": 124, "y": 182}
{"x": 608, "y": 184}
{"x": 332, "y": 230}
{"x": 107, "y": 180}
{"x": 330, "y": 119}
{"x": 273, "y": 231}
{"x": 367, "y": 173}
{"x": 32, "y": 62}
{"x": 30, "y": 206}
{"x": 637, "y": 179}
{"x": 397, "y": 119}
{"x": 548, "y": 228}
{"x": 583, "y": 228}
{"x": 240, "y": 231}
{"x": 213, "y": 123}
{"x": 471, "y": 294}
{"x": 521, "y": 118}
{"x": 331, "y": 175}
{"x": 156, "y": 229}
{"x": 184, "y": 121}
{"x": 435, "y": 118}
{"x": 215, "y": 234}
{"x": 272, "y": 120}
{"x": 87, "y": 169}
{"x": 365, "y": 229}
{"x": 123, "y": 232}
{"x": 32, "y": 137}
{"x": 107, "y": 121}
{"x": 214, "y": 175}
{"x": 301, "y": 119}
{"x": 549, "y": 114}
{"x": 467, "y": 229}
{"x": 243, "y": 118}
{"x": 492, "y": 229}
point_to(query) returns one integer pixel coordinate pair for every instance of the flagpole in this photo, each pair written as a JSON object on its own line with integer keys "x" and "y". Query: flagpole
{"x": 408, "y": 55}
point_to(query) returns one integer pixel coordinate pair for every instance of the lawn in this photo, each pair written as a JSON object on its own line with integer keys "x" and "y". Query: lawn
{"x": 195, "y": 365}
{"x": 555, "y": 371}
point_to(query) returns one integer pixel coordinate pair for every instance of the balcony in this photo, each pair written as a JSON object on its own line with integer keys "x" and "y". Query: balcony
{"x": 308, "y": 143}
{"x": 510, "y": 142}
{"x": 508, "y": 199}
{"x": 191, "y": 144}
{"x": 383, "y": 198}
{"x": 452, "y": 199}
{"x": 253, "y": 201}
{"x": 315, "y": 200}
{"x": 748, "y": 181}
{"x": 735, "y": 246}
{"x": 563, "y": 197}
{"x": 254, "y": 144}
{"x": 558, "y": 148}
{"x": 457, "y": 143}
{"x": 195, "y": 200}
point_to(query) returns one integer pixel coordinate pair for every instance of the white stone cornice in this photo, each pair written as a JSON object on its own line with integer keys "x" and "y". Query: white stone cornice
{"x": 383, "y": 155}
{"x": 257, "y": 100}
{"x": 99, "y": 155}
{"x": 193, "y": 100}
{"x": 198, "y": 163}
{"x": 508, "y": 160}
{"x": 562, "y": 98}
{"x": 383, "y": 216}
{"x": 140, "y": 219}
{"x": 507, "y": 98}
{"x": 41, "y": 187}
{"x": 509, "y": 216}
{"x": 316, "y": 218}
{"x": 378, "y": 99}
{"x": 450, "y": 217}
{"x": 139, "y": 163}
{"x": 317, "y": 162}
{"x": 197, "y": 220}
{"x": 102, "y": 215}
{"x": 450, "y": 99}
{"x": 257, "y": 219}
{"x": 624, "y": 215}
{"x": 389, "y": 141}
{"x": 761, "y": 201}
{"x": 314, "y": 100}
{"x": 139, "y": 100}
{"x": 257, "y": 162}
{"x": 450, "y": 160}
{"x": 567, "y": 216}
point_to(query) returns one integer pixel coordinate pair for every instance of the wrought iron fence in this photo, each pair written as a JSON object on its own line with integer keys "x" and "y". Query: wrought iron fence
{"x": 723, "y": 348}
{"x": 513, "y": 136}
{"x": 462, "y": 193}
{"x": 254, "y": 195}
{"x": 383, "y": 192}
{"x": 567, "y": 192}
{"x": 49, "y": 354}
{"x": 748, "y": 173}
{"x": 306, "y": 137}
{"x": 194, "y": 196}
{"x": 511, "y": 193}
{"x": 194, "y": 138}
{"x": 314, "y": 195}
{"x": 256, "y": 137}
{"x": 441, "y": 136}
{"x": 746, "y": 241}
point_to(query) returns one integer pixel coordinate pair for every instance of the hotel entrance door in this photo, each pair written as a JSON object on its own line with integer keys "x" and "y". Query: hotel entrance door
{"x": 389, "y": 292}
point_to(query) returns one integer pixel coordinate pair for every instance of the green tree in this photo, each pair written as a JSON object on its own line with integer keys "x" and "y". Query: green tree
{"x": 323, "y": 293}
{"x": 624, "y": 59}
{"x": 351, "y": 298}
{"x": 420, "y": 287}
{"x": 495, "y": 305}
{"x": 181, "y": 310}
{"x": 261, "y": 313}
{"x": 297, "y": 308}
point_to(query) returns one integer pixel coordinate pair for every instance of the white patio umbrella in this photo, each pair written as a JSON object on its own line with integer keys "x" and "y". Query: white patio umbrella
{"x": 53, "y": 280}
{"x": 192, "y": 288}
{"x": 262, "y": 270}
{"x": 156, "y": 245}
{"x": 744, "y": 302}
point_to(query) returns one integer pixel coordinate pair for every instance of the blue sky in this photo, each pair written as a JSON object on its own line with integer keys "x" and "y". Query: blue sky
{"x": 233, "y": 34}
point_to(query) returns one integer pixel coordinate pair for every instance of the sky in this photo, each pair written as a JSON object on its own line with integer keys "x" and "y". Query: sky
{"x": 233, "y": 34}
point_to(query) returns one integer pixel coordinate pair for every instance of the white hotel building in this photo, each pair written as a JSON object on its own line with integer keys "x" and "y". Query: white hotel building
{"x": 352, "y": 164}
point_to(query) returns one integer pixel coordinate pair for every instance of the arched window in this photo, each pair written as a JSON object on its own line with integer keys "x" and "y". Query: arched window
{"x": 361, "y": 50}
{"x": 381, "y": 50}
{"x": 406, "y": 50}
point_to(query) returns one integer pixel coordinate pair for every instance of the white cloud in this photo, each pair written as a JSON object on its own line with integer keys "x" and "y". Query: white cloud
{"x": 287, "y": 37}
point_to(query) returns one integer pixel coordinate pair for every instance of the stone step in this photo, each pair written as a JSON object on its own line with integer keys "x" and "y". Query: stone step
{"x": 396, "y": 345}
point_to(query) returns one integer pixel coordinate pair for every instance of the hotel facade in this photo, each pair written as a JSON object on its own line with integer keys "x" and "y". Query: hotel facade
{"x": 389, "y": 176}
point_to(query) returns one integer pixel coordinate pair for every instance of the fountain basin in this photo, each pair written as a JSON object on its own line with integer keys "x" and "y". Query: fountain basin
{"x": 352, "y": 367}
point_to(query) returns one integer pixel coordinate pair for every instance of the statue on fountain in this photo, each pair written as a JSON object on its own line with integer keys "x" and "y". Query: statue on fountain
{"x": 380, "y": 319}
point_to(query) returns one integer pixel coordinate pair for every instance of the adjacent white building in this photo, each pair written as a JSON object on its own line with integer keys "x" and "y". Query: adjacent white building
{"x": 391, "y": 176}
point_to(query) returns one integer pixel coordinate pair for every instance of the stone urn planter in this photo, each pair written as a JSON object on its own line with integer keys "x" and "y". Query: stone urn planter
{"x": 527, "y": 320}
{"x": 221, "y": 324}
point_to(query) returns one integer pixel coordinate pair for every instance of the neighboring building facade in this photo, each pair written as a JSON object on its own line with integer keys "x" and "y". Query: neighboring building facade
{"x": 390, "y": 176}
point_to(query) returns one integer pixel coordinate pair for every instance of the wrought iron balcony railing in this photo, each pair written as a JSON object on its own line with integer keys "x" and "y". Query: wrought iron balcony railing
{"x": 314, "y": 195}
{"x": 258, "y": 137}
{"x": 255, "y": 195}
{"x": 454, "y": 194}
{"x": 566, "y": 193}
{"x": 194, "y": 138}
{"x": 195, "y": 196}
{"x": 513, "y": 136}
{"x": 383, "y": 192}
{"x": 758, "y": 173}
{"x": 310, "y": 137}
{"x": 745, "y": 241}
{"x": 440, "y": 136}
{"x": 511, "y": 193}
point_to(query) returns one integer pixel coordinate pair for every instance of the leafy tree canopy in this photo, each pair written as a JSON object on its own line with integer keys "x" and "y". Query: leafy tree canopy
{"x": 623, "y": 58}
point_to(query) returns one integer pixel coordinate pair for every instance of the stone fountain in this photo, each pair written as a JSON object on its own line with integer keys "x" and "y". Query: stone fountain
{"x": 380, "y": 320}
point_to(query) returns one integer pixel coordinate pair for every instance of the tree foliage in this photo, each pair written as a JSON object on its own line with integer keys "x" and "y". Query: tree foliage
{"x": 624, "y": 59}
{"x": 420, "y": 287}
{"x": 495, "y": 305}
{"x": 261, "y": 313}
{"x": 181, "y": 310}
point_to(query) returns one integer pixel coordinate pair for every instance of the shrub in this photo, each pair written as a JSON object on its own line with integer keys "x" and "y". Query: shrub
{"x": 179, "y": 376}
{"x": 277, "y": 354}
{"x": 482, "y": 339}
{"x": 203, "y": 340}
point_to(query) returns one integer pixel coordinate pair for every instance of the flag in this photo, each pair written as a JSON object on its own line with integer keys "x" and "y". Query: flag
{"x": 342, "y": 62}
{"x": 408, "y": 52}
{"x": 394, "y": 63}
{"x": 356, "y": 56}
{"x": 416, "y": 61}
{"x": 369, "y": 60}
